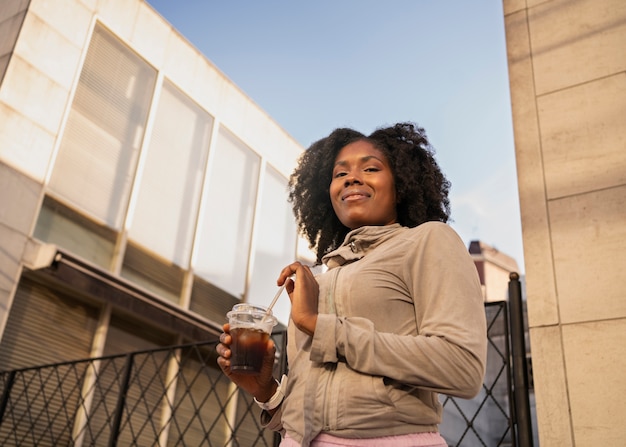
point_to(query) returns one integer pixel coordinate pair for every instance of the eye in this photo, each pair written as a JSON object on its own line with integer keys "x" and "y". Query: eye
{"x": 339, "y": 174}
{"x": 372, "y": 169}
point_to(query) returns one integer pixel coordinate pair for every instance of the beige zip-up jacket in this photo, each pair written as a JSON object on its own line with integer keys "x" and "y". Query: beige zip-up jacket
{"x": 401, "y": 319}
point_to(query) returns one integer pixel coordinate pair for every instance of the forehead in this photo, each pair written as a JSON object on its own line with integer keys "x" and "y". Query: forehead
{"x": 360, "y": 150}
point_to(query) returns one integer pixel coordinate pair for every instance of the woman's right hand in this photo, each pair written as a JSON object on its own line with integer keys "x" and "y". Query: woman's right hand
{"x": 262, "y": 386}
{"x": 304, "y": 295}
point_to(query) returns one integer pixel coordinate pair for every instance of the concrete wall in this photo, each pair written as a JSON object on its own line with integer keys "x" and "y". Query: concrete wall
{"x": 567, "y": 68}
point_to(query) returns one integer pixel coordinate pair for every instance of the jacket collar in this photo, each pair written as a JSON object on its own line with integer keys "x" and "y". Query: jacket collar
{"x": 358, "y": 242}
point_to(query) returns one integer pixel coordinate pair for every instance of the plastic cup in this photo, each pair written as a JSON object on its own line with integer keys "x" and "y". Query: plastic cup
{"x": 250, "y": 330}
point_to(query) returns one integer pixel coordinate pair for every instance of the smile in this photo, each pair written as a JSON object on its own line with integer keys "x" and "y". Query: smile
{"x": 354, "y": 195}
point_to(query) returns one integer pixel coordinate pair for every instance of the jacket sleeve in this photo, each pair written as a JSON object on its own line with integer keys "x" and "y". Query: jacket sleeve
{"x": 273, "y": 422}
{"x": 448, "y": 354}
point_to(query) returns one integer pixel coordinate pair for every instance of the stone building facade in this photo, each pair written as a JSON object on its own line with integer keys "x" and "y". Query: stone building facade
{"x": 567, "y": 70}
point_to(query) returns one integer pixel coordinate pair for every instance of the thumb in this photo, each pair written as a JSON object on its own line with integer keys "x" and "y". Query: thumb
{"x": 270, "y": 353}
{"x": 267, "y": 369}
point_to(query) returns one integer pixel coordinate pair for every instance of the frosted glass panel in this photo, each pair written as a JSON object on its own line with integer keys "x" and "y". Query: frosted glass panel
{"x": 98, "y": 153}
{"x": 169, "y": 194}
{"x": 275, "y": 245}
{"x": 224, "y": 235}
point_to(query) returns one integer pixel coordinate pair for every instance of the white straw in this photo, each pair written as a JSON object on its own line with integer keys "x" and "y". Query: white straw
{"x": 280, "y": 290}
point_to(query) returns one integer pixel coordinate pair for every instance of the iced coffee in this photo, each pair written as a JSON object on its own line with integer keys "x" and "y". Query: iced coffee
{"x": 250, "y": 330}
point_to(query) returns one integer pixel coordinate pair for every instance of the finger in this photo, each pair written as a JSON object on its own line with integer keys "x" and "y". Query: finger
{"x": 269, "y": 359}
{"x": 271, "y": 348}
{"x": 226, "y": 339}
{"x": 283, "y": 275}
{"x": 224, "y": 364}
{"x": 289, "y": 285}
{"x": 288, "y": 271}
{"x": 222, "y": 351}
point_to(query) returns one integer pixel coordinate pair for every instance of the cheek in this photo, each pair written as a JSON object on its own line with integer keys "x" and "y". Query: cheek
{"x": 332, "y": 195}
{"x": 333, "y": 190}
{"x": 335, "y": 203}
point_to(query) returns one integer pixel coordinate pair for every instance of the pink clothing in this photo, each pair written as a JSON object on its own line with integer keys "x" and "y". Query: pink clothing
{"x": 410, "y": 440}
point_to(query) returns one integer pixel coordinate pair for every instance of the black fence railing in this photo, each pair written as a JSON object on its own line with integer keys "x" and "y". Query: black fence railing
{"x": 486, "y": 419}
{"x": 500, "y": 414}
{"x": 177, "y": 396}
{"x": 173, "y": 396}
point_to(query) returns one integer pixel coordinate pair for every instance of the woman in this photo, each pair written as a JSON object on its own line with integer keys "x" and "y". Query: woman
{"x": 398, "y": 315}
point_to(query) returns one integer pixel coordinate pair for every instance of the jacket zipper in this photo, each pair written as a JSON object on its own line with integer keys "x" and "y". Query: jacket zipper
{"x": 331, "y": 391}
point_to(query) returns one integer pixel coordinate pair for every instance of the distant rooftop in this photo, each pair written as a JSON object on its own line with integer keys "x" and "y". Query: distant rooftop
{"x": 484, "y": 252}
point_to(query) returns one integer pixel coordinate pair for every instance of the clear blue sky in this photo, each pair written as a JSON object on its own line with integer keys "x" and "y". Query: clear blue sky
{"x": 314, "y": 66}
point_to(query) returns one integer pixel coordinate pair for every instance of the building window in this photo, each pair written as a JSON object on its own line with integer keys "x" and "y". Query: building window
{"x": 153, "y": 273}
{"x": 97, "y": 157}
{"x": 224, "y": 234}
{"x": 275, "y": 240}
{"x": 171, "y": 179}
{"x": 58, "y": 224}
{"x": 90, "y": 183}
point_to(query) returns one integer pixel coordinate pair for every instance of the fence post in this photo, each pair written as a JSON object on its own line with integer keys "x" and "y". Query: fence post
{"x": 121, "y": 401}
{"x": 523, "y": 423}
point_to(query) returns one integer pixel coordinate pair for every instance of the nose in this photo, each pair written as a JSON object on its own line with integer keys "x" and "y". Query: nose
{"x": 352, "y": 179}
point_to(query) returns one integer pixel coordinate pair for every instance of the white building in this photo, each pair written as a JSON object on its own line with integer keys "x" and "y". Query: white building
{"x": 142, "y": 193}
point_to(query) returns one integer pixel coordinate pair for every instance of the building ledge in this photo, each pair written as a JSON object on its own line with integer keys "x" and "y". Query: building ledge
{"x": 46, "y": 262}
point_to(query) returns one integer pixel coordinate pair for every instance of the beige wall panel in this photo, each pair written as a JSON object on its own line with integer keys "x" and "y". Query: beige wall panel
{"x": 594, "y": 355}
{"x": 577, "y": 41}
{"x": 583, "y": 133}
{"x": 13, "y": 243}
{"x": 286, "y": 150}
{"x": 48, "y": 51}
{"x": 207, "y": 86}
{"x": 118, "y": 15}
{"x": 24, "y": 145}
{"x": 589, "y": 237}
{"x": 72, "y": 20}
{"x": 34, "y": 95}
{"x": 231, "y": 108}
{"x": 254, "y": 130}
{"x": 542, "y": 306}
{"x": 91, "y": 4}
{"x": 550, "y": 387}
{"x": 511, "y": 6}
{"x": 181, "y": 60}
{"x": 150, "y": 35}
{"x": 20, "y": 199}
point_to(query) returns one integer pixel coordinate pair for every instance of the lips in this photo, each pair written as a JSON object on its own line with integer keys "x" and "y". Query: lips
{"x": 354, "y": 194}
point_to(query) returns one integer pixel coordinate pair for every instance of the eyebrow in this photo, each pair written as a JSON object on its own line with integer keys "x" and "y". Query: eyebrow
{"x": 363, "y": 159}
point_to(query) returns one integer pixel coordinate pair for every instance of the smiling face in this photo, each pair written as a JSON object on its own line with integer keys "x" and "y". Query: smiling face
{"x": 362, "y": 189}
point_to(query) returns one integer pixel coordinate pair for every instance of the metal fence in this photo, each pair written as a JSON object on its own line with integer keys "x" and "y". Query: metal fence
{"x": 500, "y": 414}
{"x": 486, "y": 419}
{"x": 177, "y": 396}
{"x": 174, "y": 396}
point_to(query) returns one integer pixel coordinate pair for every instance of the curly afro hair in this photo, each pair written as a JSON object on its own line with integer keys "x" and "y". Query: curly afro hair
{"x": 421, "y": 188}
